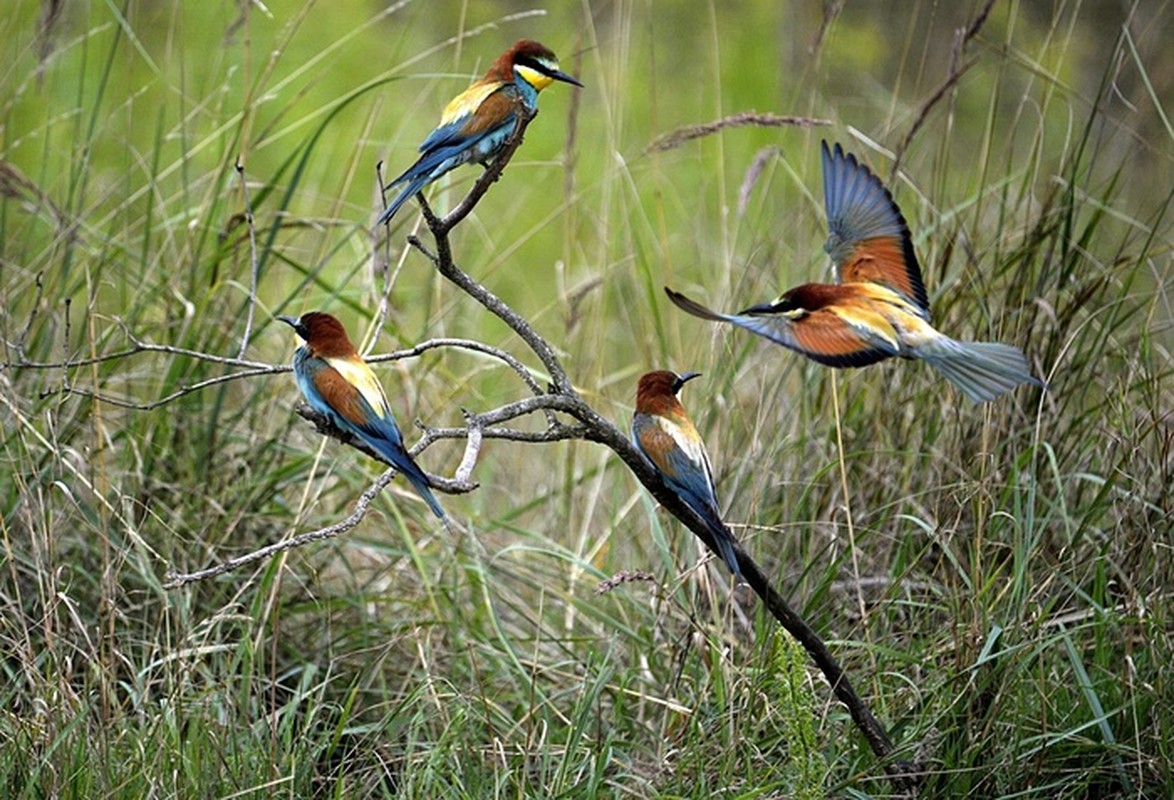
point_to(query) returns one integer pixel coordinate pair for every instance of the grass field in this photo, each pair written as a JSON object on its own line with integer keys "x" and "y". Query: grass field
{"x": 995, "y": 579}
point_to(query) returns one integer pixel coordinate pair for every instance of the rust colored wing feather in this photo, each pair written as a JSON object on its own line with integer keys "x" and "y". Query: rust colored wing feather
{"x": 824, "y": 337}
{"x": 868, "y": 238}
{"x": 493, "y": 111}
{"x": 883, "y": 260}
{"x": 343, "y": 397}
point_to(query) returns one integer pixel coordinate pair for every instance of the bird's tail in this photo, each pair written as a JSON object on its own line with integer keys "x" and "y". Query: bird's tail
{"x": 395, "y": 455}
{"x": 409, "y": 191}
{"x": 982, "y": 370}
{"x": 423, "y": 486}
{"x": 723, "y": 539}
{"x": 725, "y": 546}
{"x": 693, "y": 307}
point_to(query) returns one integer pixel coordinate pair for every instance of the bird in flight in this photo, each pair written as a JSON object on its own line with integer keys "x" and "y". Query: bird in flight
{"x": 878, "y": 307}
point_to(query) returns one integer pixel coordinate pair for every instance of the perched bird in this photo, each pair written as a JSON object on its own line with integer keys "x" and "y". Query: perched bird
{"x": 477, "y": 122}
{"x": 336, "y": 382}
{"x": 662, "y": 431}
{"x": 878, "y": 307}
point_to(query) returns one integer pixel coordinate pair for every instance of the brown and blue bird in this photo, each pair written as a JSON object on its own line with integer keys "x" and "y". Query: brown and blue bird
{"x": 476, "y": 123}
{"x": 663, "y": 432}
{"x": 878, "y": 307}
{"x": 336, "y": 382}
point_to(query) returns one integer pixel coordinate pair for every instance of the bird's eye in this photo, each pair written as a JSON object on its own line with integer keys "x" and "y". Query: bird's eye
{"x": 789, "y": 307}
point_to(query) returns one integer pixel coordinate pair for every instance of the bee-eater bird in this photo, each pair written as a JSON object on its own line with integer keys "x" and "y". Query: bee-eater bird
{"x": 337, "y": 382}
{"x": 663, "y": 432}
{"x": 477, "y": 122}
{"x": 878, "y": 307}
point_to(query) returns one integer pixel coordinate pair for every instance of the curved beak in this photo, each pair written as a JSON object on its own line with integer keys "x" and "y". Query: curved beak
{"x": 684, "y": 378}
{"x": 559, "y": 75}
{"x": 296, "y": 324}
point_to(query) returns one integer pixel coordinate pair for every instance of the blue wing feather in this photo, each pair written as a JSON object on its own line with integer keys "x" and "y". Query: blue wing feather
{"x": 868, "y": 238}
{"x": 857, "y": 203}
{"x": 377, "y": 429}
{"x": 444, "y": 158}
{"x": 689, "y": 479}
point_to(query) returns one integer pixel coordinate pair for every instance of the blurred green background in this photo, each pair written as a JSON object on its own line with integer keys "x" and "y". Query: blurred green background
{"x": 996, "y": 579}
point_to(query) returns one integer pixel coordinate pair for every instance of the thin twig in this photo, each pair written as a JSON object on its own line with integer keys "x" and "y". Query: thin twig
{"x": 175, "y": 580}
{"x": 678, "y": 137}
{"x": 92, "y": 394}
{"x": 464, "y": 344}
{"x": 254, "y": 262}
{"x": 252, "y": 368}
{"x": 478, "y": 426}
{"x": 472, "y": 447}
{"x": 957, "y": 70}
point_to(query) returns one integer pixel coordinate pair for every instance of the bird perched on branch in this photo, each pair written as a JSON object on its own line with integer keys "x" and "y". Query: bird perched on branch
{"x": 662, "y": 431}
{"x": 476, "y": 123}
{"x": 337, "y": 382}
{"x": 878, "y": 307}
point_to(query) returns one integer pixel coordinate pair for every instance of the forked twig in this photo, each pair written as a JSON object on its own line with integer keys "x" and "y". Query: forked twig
{"x": 174, "y": 580}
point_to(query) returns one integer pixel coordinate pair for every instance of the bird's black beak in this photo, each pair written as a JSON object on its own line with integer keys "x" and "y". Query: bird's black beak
{"x": 684, "y": 378}
{"x": 294, "y": 323}
{"x": 559, "y": 75}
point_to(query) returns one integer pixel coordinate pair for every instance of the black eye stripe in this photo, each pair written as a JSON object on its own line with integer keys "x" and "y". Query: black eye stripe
{"x": 532, "y": 63}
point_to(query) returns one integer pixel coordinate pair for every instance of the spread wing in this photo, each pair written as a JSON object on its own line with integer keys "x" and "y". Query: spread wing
{"x": 827, "y": 336}
{"x": 868, "y": 239}
{"x": 835, "y": 337}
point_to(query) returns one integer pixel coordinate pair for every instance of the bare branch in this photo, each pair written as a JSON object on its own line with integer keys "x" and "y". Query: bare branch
{"x": 178, "y": 393}
{"x": 444, "y": 263}
{"x": 175, "y": 580}
{"x": 678, "y": 137}
{"x": 139, "y": 346}
{"x": 465, "y": 344}
{"x": 477, "y": 427}
{"x": 252, "y": 368}
{"x": 472, "y": 446}
{"x": 592, "y": 427}
{"x": 325, "y": 427}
